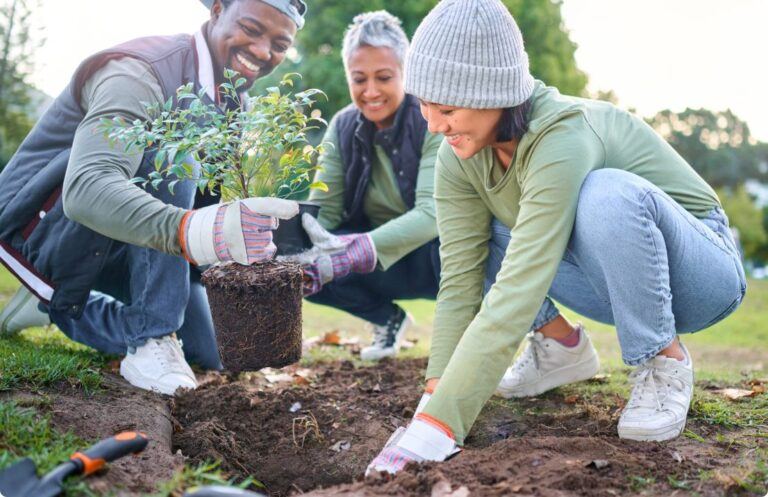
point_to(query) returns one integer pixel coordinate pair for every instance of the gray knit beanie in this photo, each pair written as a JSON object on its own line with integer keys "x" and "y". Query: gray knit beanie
{"x": 469, "y": 53}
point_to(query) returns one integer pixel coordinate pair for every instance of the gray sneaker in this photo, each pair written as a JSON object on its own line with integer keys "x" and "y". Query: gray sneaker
{"x": 387, "y": 339}
{"x": 22, "y": 312}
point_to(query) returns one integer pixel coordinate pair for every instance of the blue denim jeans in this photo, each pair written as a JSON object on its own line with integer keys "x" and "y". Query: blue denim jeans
{"x": 636, "y": 259}
{"x": 370, "y": 296}
{"x": 142, "y": 293}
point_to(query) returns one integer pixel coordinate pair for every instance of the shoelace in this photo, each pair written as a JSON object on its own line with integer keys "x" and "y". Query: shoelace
{"x": 382, "y": 336}
{"x": 532, "y": 352}
{"x": 164, "y": 350}
{"x": 649, "y": 380}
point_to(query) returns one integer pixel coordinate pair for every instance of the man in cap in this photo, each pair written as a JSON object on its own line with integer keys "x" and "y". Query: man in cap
{"x": 114, "y": 266}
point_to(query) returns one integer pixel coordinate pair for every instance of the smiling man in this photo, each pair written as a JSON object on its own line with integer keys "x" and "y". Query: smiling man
{"x": 114, "y": 266}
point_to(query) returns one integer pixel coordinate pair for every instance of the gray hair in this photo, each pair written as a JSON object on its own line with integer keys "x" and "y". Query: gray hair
{"x": 375, "y": 29}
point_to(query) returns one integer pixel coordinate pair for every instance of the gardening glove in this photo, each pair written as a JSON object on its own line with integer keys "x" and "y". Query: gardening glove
{"x": 425, "y": 439}
{"x": 239, "y": 231}
{"x": 332, "y": 256}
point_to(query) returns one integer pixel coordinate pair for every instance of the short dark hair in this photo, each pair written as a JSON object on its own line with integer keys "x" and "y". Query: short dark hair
{"x": 514, "y": 122}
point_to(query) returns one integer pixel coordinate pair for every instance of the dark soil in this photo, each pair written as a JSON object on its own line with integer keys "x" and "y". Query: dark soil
{"x": 257, "y": 313}
{"x": 304, "y": 436}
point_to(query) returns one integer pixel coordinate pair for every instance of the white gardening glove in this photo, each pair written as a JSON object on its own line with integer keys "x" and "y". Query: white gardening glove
{"x": 239, "y": 231}
{"x": 331, "y": 256}
{"x": 425, "y": 439}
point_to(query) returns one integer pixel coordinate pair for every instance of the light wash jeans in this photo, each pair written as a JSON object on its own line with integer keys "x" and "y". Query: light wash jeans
{"x": 638, "y": 260}
{"x": 142, "y": 293}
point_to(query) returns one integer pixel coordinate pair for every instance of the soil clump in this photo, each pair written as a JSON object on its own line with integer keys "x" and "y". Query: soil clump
{"x": 256, "y": 313}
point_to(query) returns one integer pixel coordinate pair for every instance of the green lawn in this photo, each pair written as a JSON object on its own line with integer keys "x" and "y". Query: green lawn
{"x": 737, "y": 344}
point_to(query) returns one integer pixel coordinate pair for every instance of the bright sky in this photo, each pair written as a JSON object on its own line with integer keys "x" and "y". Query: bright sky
{"x": 654, "y": 54}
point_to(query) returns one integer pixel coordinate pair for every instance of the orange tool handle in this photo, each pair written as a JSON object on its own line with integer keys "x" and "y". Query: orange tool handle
{"x": 122, "y": 444}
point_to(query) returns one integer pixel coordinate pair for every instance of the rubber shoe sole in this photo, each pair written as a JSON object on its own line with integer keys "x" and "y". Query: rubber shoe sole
{"x": 573, "y": 373}
{"x": 135, "y": 378}
{"x": 12, "y": 309}
{"x": 658, "y": 435}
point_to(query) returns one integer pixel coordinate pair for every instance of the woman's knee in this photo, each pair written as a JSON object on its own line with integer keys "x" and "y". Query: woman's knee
{"x": 608, "y": 197}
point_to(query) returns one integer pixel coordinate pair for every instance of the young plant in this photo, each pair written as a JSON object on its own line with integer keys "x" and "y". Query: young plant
{"x": 256, "y": 147}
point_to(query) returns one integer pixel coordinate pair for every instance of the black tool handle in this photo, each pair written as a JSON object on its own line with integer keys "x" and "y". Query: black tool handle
{"x": 122, "y": 444}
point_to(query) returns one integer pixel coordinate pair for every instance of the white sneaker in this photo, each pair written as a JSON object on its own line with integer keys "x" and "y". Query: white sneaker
{"x": 546, "y": 364}
{"x": 388, "y": 338}
{"x": 658, "y": 405}
{"x": 21, "y": 312}
{"x": 158, "y": 365}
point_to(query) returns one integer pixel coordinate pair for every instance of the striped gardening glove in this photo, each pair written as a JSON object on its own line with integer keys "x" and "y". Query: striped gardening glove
{"x": 239, "y": 231}
{"x": 332, "y": 256}
{"x": 425, "y": 439}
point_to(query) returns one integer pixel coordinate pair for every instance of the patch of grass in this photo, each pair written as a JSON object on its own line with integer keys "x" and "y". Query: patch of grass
{"x": 38, "y": 358}
{"x": 638, "y": 483}
{"x": 207, "y": 473}
{"x": 715, "y": 410}
{"x": 678, "y": 484}
{"x": 736, "y": 343}
{"x": 24, "y": 432}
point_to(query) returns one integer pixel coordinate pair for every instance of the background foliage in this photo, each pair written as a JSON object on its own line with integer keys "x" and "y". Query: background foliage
{"x": 16, "y": 57}
{"x": 551, "y": 51}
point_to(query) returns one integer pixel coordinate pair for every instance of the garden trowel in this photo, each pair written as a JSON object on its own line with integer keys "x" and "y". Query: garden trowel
{"x": 20, "y": 479}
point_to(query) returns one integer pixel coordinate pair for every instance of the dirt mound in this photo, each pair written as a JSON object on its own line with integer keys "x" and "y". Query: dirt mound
{"x": 296, "y": 436}
{"x": 116, "y": 407}
{"x": 299, "y": 437}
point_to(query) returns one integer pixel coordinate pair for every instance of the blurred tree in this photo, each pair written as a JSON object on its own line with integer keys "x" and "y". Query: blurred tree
{"x": 16, "y": 54}
{"x": 317, "y": 55}
{"x": 744, "y": 215}
{"x": 717, "y": 144}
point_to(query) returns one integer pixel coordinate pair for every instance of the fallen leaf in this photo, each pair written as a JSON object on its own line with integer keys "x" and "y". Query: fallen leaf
{"x": 571, "y": 399}
{"x": 300, "y": 380}
{"x": 279, "y": 378}
{"x": 735, "y": 393}
{"x": 598, "y": 464}
{"x": 341, "y": 445}
{"x": 331, "y": 338}
{"x": 758, "y": 388}
{"x": 600, "y": 378}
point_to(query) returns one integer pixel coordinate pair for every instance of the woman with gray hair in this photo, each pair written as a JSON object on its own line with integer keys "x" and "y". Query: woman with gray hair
{"x": 380, "y": 176}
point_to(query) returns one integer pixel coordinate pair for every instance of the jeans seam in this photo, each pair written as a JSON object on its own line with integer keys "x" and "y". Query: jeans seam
{"x": 660, "y": 320}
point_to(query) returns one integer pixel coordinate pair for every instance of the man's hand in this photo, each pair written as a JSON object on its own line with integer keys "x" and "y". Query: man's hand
{"x": 239, "y": 231}
{"x": 332, "y": 256}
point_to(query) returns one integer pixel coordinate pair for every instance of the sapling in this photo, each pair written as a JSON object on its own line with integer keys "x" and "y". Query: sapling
{"x": 255, "y": 147}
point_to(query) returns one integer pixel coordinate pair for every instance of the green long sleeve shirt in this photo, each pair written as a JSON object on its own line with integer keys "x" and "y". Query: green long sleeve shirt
{"x": 397, "y": 229}
{"x": 475, "y": 338}
{"x": 97, "y": 190}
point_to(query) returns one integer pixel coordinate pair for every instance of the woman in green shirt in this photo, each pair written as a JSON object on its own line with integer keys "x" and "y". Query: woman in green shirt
{"x": 380, "y": 175}
{"x": 605, "y": 217}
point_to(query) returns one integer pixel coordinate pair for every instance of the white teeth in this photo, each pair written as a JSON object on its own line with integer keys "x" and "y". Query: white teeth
{"x": 375, "y": 104}
{"x": 246, "y": 63}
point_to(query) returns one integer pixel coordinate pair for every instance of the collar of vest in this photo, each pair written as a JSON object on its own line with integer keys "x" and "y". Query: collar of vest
{"x": 366, "y": 130}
